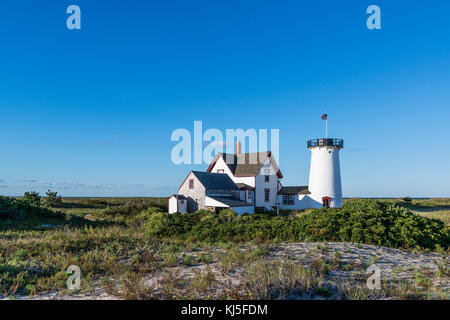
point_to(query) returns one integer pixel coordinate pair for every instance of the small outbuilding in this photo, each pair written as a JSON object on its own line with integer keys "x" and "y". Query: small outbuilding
{"x": 177, "y": 203}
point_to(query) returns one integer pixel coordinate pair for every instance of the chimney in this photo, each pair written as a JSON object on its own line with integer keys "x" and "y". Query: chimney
{"x": 238, "y": 148}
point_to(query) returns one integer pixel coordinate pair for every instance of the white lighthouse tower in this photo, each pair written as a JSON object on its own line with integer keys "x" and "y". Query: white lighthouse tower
{"x": 325, "y": 173}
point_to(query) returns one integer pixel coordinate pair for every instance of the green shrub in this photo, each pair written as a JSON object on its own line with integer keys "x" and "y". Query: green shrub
{"x": 142, "y": 217}
{"x": 32, "y": 198}
{"x": 94, "y": 202}
{"x": 360, "y": 221}
{"x": 18, "y": 214}
{"x": 18, "y": 209}
{"x": 407, "y": 200}
{"x": 189, "y": 260}
{"x": 134, "y": 207}
{"x": 204, "y": 257}
{"x": 158, "y": 224}
{"x": 52, "y": 199}
{"x": 374, "y": 222}
{"x": 8, "y": 207}
{"x": 170, "y": 259}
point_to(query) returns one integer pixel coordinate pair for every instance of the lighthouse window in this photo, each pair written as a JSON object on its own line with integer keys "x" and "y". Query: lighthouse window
{"x": 266, "y": 177}
{"x": 266, "y": 195}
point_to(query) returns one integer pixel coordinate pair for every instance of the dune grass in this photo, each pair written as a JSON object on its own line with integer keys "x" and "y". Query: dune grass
{"x": 432, "y": 208}
{"x": 108, "y": 239}
{"x": 440, "y": 214}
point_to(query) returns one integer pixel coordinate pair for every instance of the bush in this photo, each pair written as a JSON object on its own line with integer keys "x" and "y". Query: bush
{"x": 32, "y": 198}
{"x": 360, "y": 221}
{"x": 142, "y": 217}
{"x": 96, "y": 203}
{"x": 374, "y": 222}
{"x": 8, "y": 207}
{"x": 407, "y": 200}
{"x": 16, "y": 209}
{"x": 53, "y": 199}
{"x": 133, "y": 207}
{"x": 17, "y": 214}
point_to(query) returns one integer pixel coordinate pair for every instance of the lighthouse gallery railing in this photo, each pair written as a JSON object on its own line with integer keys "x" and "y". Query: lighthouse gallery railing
{"x": 328, "y": 142}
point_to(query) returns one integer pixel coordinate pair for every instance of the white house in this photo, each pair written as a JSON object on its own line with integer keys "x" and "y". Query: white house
{"x": 245, "y": 181}
{"x": 256, "y": 174}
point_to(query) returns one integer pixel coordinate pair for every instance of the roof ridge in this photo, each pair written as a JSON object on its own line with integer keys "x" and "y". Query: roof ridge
{"x": 215, "y": 180}
{"x": 206, "y": 172}
{"x": 267, "y": 152}
{"x": 241, "y": 165}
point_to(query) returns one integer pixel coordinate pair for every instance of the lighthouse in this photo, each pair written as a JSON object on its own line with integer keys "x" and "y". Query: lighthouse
{"x": 325, "y": 173}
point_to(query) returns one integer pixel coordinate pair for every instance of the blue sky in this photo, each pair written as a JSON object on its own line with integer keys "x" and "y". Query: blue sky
{"x": 90, "y": 112}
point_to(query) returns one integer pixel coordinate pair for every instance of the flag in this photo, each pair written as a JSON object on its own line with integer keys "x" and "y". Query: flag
{"x": 324, "y": 116}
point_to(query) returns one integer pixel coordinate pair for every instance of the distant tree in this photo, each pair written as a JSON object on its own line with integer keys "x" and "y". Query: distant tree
{"x": 407, "y": 200}
{"x": 32, "y": 197}
{"x": 53, "y": 199}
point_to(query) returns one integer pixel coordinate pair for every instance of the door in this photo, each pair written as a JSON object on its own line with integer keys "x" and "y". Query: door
{"x": 326, "y": 202}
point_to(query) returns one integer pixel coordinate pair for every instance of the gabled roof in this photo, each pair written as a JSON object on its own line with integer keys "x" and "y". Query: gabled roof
{"x": 215, "y": 181}
{"x": 244, "y": 186}
{"x": 246, "y": 164}
{"x": 294, "y": 190}
{"x": 178, "y": 196}
{"x": 231, "y": 202}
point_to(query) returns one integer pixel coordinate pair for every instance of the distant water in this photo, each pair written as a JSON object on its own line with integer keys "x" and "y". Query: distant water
{"x": 417, "y": 198}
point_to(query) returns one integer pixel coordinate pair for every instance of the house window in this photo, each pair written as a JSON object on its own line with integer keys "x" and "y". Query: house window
{"x": 220, "y": 171}
{"x": 266, "y": 195}
{"x": 249, "y": 195}
{"x": 191, "y": 184}
{"x": 291, "y": 200}
{"x": 266, "y": 177}
{"x": 182, "y": 201}
{"x": 288, "y": 199}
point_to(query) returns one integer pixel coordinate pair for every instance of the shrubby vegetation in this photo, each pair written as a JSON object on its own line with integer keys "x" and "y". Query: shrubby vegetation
{"x": 362, "y": 221}
{"x": 133, "y": 207}
{"x": 375, "y": 222}
{"x": 18, "y": 209}
{"x": 126, "y": 239}
{"x": 52, "y": 199}
{"x": 19, "y": 214}
{"x": 33, "y": 198}
{"x": 407, "y": 200}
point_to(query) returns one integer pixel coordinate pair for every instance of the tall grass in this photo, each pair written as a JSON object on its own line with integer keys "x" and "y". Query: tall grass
{"x": 117, "y": 250}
